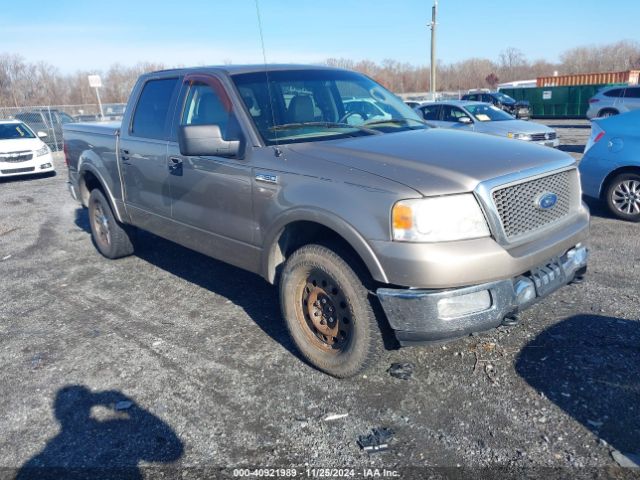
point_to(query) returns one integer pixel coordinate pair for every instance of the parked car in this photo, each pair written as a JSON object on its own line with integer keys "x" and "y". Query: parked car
{"x": 611, "y": 101}
{"x": 48, "y": 120}
{"x": 412, "y": 104}
{"x": 449, "y": 232}
{"x": 485, "y": 118}
{"x": 518, "y": 108}
{"x": 364, "y": 110}
{"x": 610, "y": 167}
{"x": 87, "y": 117}
{"x": 22, "y": 152}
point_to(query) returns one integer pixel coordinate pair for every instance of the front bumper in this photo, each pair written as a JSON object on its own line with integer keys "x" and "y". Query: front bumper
{"x": 41, "y": 164}
{"x": 422, "y": 316}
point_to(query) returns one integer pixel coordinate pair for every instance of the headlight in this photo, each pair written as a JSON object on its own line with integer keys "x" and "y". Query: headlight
{"x": 438, "y": 219}
{"x": 519, "y": 136}
{"x": 42, "y": 151}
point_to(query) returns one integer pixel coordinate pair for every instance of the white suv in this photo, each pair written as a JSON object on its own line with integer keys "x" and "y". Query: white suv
{"x": 613, "y": 100}
{"x": 22, "y": 152}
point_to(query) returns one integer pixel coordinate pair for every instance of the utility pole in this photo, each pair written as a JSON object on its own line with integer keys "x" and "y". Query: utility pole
{"x": 434, "y": 15}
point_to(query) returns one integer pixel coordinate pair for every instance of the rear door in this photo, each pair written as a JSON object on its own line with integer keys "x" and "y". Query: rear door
{"x": 143, "y": 154}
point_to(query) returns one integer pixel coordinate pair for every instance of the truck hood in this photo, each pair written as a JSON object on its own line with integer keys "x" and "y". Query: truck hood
{"x": 435, "y": 161}
{"x": 20, "y": 144}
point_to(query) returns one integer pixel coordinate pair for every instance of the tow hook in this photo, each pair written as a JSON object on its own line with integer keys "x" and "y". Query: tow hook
{"x": 577, "y": 280}
{"x": 511, "y": 320}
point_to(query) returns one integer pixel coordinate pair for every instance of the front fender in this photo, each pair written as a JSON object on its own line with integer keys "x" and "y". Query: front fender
{"x": 328, "y": 220}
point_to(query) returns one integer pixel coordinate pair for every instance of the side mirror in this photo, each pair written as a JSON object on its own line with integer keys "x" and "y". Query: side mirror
{"x": 205, "y": 140}
{"x": 42, "y": 134}
{"x": 465, "y": 120}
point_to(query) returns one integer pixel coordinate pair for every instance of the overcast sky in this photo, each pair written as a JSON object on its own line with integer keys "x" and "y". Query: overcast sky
{"x": 74, "y": 34}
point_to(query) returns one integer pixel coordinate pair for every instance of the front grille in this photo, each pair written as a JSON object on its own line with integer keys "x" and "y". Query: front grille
{"x": 18, "y": 170}
{"x": 15, "y": 157}
{"x": 518, "y": 205}
{"x": 539, "y": 137}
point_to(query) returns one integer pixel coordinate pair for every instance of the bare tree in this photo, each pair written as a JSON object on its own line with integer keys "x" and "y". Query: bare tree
{"x": 23, "y": 83}
{"x": 492, "y": 80}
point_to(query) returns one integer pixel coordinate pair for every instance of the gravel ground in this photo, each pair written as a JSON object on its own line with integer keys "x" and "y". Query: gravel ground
{"x": 171, "y": 358}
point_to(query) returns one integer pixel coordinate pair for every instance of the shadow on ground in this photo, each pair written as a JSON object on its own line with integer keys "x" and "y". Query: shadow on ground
{"x": 571, "y": 148}
{"x": 254, "y": 295}
{"x": 103, "y": 435}
{"x": 569, "y": 125}
{"x": 25, "y": 178}
{"x": 597, "y": 208}
{"x": 589, "y": 366}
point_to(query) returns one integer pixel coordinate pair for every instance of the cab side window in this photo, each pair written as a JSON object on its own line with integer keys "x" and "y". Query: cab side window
{"x": 203, "y": 106}
{"x": 152, "y": 110}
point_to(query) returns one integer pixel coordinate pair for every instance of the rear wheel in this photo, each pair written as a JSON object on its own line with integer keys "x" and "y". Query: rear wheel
{"x": 110, "y": 236}
{"x": 623, "y": 196}
{"x": 328, "y": 311}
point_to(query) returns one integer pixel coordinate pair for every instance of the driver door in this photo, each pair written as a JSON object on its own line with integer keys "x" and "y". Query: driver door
{"x": 211, "y": 203}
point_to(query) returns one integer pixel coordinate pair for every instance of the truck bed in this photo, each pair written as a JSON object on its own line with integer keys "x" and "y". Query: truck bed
{"x": 100, "y": 128}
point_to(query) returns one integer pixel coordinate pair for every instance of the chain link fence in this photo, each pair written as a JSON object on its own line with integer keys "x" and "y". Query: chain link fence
{"x": 50, "y": 118}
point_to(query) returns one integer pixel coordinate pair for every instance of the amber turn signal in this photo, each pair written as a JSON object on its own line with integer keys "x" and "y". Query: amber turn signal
{"x": 402, "y": 217}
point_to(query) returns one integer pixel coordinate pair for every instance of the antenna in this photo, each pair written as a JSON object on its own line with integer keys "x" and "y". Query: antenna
{"x": 278, "y": 152}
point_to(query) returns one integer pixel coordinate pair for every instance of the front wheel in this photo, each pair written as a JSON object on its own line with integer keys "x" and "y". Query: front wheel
{"x": 328, "y": 311}
{"x": 623, "y": 196}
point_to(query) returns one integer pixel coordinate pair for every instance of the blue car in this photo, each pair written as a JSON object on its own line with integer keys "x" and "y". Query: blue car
{"x": 610, "y": 167}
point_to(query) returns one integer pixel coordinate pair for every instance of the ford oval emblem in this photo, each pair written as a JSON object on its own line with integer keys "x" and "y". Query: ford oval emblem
{"x": 547, "y": 200}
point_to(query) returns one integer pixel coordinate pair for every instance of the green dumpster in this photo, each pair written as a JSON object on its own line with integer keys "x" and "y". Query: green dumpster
{"x": 556, "y": 102}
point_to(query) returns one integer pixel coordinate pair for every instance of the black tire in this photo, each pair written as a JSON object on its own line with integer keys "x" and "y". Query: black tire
{"x": 350, "y": 339}
{"x": 623, "y": 196}
{"x": 109, "y": 236}
{"x": 609, "y": 112}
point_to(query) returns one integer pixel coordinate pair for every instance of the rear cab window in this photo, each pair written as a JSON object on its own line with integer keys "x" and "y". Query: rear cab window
{"x": 154, "y": 108}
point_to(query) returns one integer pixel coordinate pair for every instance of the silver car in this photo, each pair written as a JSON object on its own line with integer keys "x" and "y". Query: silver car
{"x": 485, "y": 118}
{"x": 613, "y": 100}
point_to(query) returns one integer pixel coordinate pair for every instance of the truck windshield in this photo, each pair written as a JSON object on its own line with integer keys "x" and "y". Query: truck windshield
{"x": 12, "y": 131}
{"x": 311, "y": 105}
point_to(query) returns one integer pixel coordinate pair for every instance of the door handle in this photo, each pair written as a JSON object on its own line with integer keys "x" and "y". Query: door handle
{"x": 125, "y": 154}
{"x": 175, "y": 165}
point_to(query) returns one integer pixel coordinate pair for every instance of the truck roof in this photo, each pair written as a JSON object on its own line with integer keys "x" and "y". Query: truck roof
{"x": 237, "y": 69}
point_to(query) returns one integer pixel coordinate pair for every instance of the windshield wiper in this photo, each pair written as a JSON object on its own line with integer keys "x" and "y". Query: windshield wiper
{"x": 399, "y": 121}
{"x": 288, "y": 126}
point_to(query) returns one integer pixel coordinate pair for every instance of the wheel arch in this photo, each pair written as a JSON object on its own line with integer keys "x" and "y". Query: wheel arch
{"x": 613, "y": 110}
{"x": 302, "y": 227}
{"x": 90, "y": 178}
{"x": 614, "y": 173}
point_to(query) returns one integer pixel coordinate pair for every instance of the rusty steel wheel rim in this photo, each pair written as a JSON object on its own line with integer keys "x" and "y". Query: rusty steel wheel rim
{"x": 324, "y": 313}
